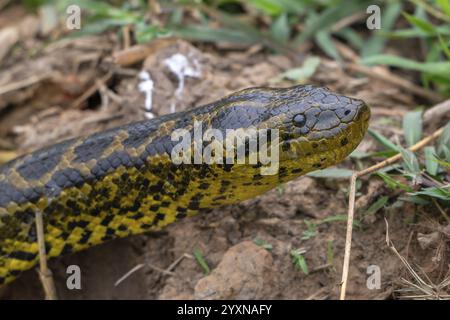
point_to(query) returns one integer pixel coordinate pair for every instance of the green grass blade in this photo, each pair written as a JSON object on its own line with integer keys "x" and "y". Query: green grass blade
{"x": 383, "y": 140}
{"x": 377, "y": 205}
{"x": 411, "y": 164}
{"x": 441, "y": 69}
{"x": 423, "y": 25}
{"x": 325, "y": 42}
{"x": 280, "y": 29}
{"x": 335, "y": 173}
{"x": 431, "y": 163}
{"x": 201, "y": 261}
{"x": 412, "y": 127}
{"x": 300, "y": 74}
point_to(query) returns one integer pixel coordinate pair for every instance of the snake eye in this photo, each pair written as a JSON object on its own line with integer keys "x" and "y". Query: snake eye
{"x": 299, "y": 120}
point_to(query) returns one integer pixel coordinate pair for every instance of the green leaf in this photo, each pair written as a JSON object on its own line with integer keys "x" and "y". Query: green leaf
{"x": 412, "y": 127}
{"x": 441, "y": 69}
{"x": 334, "y": 218}
{"x": 414, "y": 199}
{"x": 417, "y": 33}
{"x": 203, "y": 33}
{"x": 145, "y": 33}
{"x": 280, "y": 29}
{"x": 445, "y": 6}
{"x": 377, "y": 205}
{"x": 392, "y": 183}
{"x": 325, "y": 42}
{"x": 311, "y": 231}
{"x": 384, "y": 141}
{"x": 326, "y": 18}
{"x": 269, "y": 7}
{"x": 442, "y": 193}
{"x": 446, "y": 152}
{"x": 411, "y": 164}
{"x": 301, "y": 74}
{"x": 263, "y": 244}
{"x": 444, "y": 142}
{"x": 431, "y": 163}
{"x": 443, "y": 163}
{"x": 385, "y": 153}
{"x": 358, "y": 154}
{"x": 424, "y": 25}
{"x": 201, "y": 261}
{"x": 295, "y": 7}
{"x": 299, "y": 261}
{"x": 353, "y": 37}
{"x": 330, "y": 253}
{"x": 335, "y": 173}
{"x": 444, "y": 46}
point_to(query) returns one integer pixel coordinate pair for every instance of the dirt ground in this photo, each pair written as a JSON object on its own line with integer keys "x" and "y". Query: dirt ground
{"x": 79, "y": 86}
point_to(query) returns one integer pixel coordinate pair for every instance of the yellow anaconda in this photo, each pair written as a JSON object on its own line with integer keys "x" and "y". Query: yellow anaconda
{"x": 123, "y": 181}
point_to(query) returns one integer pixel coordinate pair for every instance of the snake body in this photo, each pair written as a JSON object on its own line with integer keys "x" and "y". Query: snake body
{"x": 122, "y": 181}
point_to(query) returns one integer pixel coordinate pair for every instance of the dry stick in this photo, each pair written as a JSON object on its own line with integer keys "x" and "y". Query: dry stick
{"x": 397, "y": 157}
{"x": 438, "y": 111}
{"x": 89, "y": 92}
{"x": 348, "y": 236}
{"x": 45, "y": 273}
{"x": 396, "y": 81}
{"x": 351, "y": 202}
{"x": 22, "y": 83}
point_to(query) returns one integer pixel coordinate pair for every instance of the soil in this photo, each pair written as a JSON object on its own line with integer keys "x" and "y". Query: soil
{"x": 248, "y": 246}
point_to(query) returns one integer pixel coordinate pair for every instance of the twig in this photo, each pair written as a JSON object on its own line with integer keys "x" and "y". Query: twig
{"x": 444, "y": 214}
{"x": 348, "y": 20}
{"x": 137, "y": 53}
{"x": 22, "y": 83}
{"x": 397, "y": 157}
{"x": 348, "y": 237}
{"x": 390, "y": 78}
{"x": 318, "y": 295}
{"x": 45, "y": 273}
{"x": 89, "y": 92}
{"x": 167, "y": 271}
{"x": 126, "y": 36}
{"x": 438, "y": 111}
{"x": 129, "y": 273}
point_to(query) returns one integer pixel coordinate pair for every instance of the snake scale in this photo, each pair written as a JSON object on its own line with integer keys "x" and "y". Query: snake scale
{"x": 122, "y": 181}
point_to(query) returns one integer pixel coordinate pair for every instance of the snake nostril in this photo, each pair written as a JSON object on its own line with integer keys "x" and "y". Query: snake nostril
{"x": 347, "y": 112}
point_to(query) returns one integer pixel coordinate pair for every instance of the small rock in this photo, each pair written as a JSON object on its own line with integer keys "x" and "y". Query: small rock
{"x": 245, "y": 272}
{"x": 428, "y": 240}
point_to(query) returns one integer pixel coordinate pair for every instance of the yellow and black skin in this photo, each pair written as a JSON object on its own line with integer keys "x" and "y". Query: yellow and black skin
{"x": 122, "y": 181}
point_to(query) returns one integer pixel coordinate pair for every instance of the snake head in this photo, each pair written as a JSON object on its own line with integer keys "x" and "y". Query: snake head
{"x": 317, "y": 126}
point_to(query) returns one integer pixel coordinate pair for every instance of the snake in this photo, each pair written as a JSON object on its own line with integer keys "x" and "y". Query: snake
{"x": 123, "y": 181}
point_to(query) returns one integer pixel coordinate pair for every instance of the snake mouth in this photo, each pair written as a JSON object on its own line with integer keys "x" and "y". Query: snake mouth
{"x": 362, "y": 118}
{"x": 352, "y": 134}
